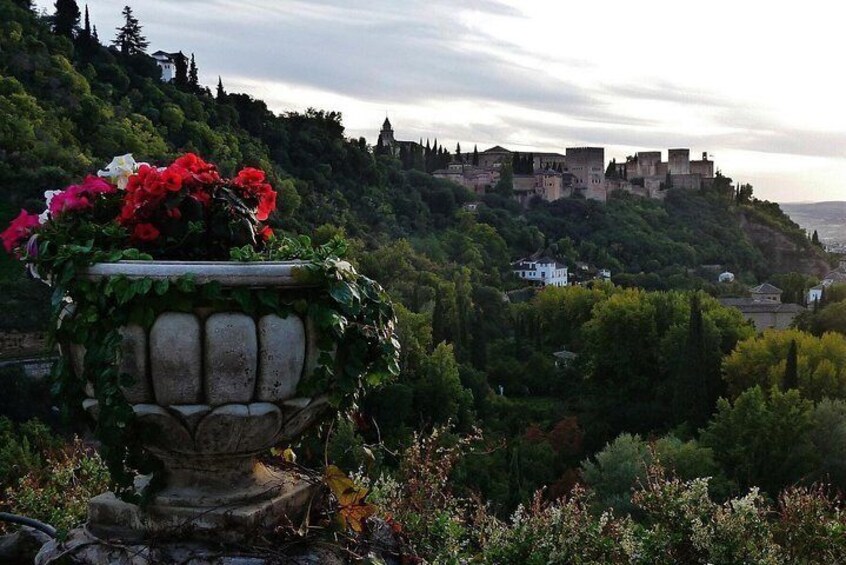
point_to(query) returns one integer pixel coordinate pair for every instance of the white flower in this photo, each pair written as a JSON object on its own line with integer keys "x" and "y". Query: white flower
{"x": 120, "y": 169}
{"x": 48, "y": 198}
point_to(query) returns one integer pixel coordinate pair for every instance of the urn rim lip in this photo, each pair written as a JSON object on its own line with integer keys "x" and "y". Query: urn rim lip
{"x": 227, "y": 273}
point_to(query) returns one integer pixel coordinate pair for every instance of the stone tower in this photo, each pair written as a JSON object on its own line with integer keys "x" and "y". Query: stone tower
{"x": 386, "y": 136}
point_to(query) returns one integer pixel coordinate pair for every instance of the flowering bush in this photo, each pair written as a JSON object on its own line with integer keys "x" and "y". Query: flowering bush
{"x": 187, "y": 211}
{"x": 183, "y": 211}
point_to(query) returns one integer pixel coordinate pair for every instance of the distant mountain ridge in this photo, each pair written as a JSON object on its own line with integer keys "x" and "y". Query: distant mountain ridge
{"x": 827, "y": 218}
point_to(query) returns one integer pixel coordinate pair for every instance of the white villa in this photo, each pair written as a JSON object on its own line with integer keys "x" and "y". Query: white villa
{"x": 547, "y": 272}
{"x": 167, "y": 63}
{"x": 834, "y": 277}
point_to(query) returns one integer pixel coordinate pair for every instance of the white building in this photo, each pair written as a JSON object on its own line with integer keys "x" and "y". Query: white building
{"x": 726, "y": 277}
{"x": 167, "y": 63}
{"x": 547, "y": 272}
{"x": 834, "y": 277}
{"x": 815, "y": 294}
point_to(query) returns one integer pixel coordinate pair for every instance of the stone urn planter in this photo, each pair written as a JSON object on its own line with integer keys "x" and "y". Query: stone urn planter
{"x": 217, "y": 387}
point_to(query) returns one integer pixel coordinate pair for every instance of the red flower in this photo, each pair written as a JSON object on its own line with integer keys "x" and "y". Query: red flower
{"x": 249, "y": 176}
{"x": 19, "y": 230}
{"x": 171, "y": 179}
{"x": 267, "y": 233}
{"x": 267, "y": 204}
{"x": 202, "y": 172}
{"x": 145, "y": 232}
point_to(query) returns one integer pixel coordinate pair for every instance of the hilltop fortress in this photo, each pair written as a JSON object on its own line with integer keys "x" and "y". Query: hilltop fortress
{"x": 550, "y": 176}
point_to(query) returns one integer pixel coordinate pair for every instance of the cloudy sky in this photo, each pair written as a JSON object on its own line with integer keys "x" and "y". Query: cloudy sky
{"x": 759, "y": 87}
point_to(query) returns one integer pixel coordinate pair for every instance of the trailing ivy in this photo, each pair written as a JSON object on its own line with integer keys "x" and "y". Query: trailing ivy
{"x": 352, "y": 314}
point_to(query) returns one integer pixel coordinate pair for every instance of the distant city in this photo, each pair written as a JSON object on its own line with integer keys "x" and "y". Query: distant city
{"x": 550, "y": 176}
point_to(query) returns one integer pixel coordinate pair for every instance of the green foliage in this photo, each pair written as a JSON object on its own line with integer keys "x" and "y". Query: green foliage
{"x": 622, "y": 466}
{"x": 763, "y": 440}
{"x": 352, "y": 315}
{"x": 23, "y": 448}
{"x": 763, "y": 360}
{"x": 57, "y": 488}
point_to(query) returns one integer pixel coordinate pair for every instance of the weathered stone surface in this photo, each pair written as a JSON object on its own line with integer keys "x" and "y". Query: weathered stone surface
{"x": 265, "y": 422}
{"x": 221, "y": 430}
{"x": 281, "y": 357}
{"x": 380, "y": 545}
{"x": 231, "y": 354}
{"x": 77, "y": 359}
{"x": 277, "y": 497}
{"x": 227, "y": 273}
{"x": 133, "y": 362}
{"x": 172, "y": 435}
{"x": 303, "y": 418}
{"x": 22, "y": 546}
{"x": 190, "y": 414}
{"x": 176, "y": 359}
{"x": 91, "y": 406}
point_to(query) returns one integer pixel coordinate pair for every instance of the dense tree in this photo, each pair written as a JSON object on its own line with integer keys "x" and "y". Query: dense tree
{"x": 193, "y": 79}
{"x": 791, "y": 368}
{"x": 66, "y": 17}
{"x": 129, "y": 39}
{"x": 763, "y": 360}
{"x": 763, "y": 439}
{"x": 476, "y": 155}
{"x": 221, "y": 94}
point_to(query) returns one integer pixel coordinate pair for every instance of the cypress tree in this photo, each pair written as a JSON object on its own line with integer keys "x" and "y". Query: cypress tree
{"x": 86, "y": 30}
{"x": 129, "y": 39}
{"x": 221, "y": 94}
{"x": 476, "y": 155}
{"x": 193, "y": 79}
{"x": 458, "y": 156}
{"x": 95, "y": 36}
{"x": 815, "y": 239}
{"x": 791, "y": 369}
{"x": 66, "y": 18}
{"x": 180, "y": 66}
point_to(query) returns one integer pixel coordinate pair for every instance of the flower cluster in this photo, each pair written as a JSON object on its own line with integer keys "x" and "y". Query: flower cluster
{"x": 184, "y": 209}
{"x": 156, "y": 196}
{"x": 19, "y": 230}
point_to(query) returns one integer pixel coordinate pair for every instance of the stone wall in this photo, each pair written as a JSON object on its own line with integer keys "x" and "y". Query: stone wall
{"x": 588, "y": 166}
{"x": 21, "y": 344}
{"x": 678, "y": 161}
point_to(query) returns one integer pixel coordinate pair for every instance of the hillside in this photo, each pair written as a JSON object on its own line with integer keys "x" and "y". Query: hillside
{"x": 68, "y": 107}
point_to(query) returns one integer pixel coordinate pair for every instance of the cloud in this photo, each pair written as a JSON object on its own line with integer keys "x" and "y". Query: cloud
{"x": 529, "y": 74}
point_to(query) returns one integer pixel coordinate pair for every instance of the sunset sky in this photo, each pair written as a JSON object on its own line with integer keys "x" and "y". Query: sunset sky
{"x": 759, "y": 87}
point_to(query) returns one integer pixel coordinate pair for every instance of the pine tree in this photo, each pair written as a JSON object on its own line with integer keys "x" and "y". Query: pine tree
{"x": 95, "y": 36}
{"x": 221, "y": 94}
{"x": 193, "y": 79}
{"x": 129, "y": 39}
{"x": 66, "y": 18}
{"x": 791, "y": 369}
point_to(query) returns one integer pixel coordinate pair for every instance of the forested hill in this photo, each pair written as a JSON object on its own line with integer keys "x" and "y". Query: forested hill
{"x": 550, "y": 377}
{"x": 69, "y": 104}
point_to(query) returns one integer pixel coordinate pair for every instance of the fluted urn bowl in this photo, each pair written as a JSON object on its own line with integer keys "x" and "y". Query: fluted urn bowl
{"x": 217, "y": 386}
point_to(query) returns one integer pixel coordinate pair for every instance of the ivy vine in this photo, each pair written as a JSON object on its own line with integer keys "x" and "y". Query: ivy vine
{"x": 352, "y": 314}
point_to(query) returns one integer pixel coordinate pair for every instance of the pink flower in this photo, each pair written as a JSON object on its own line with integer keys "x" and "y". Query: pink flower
{"x": 19, "y": 230}
{"x": 73, "y": 198}
{"x": 79, "y": 196}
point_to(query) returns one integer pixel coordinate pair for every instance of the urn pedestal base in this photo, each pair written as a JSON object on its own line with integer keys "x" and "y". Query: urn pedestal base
{"x": 167, "y": 518}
